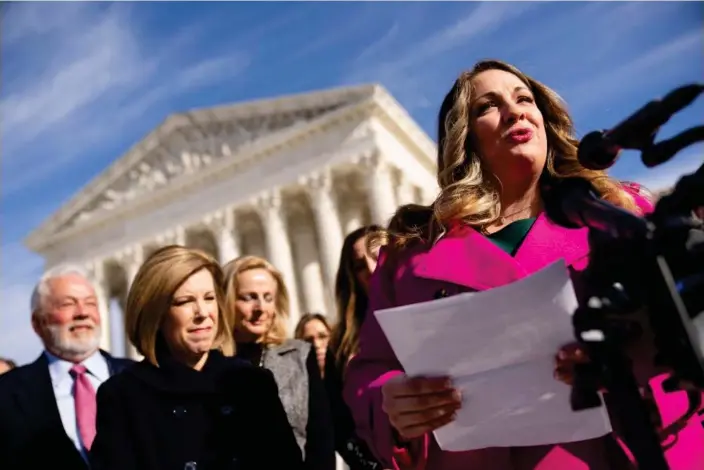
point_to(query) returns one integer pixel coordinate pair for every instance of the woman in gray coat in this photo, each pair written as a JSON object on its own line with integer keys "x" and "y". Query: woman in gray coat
{"x": 256, "y": 299}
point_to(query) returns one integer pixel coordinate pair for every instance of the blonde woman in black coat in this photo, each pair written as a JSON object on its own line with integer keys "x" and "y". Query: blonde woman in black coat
{"x": 187, "y": 405}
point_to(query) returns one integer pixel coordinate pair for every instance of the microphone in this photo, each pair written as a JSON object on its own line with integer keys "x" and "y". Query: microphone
{"x": 599, "y": 150}
{"x": 574, "y": 203}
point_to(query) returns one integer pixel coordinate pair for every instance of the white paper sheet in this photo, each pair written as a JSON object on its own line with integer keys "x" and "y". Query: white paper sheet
{"x": 499, "y": 347}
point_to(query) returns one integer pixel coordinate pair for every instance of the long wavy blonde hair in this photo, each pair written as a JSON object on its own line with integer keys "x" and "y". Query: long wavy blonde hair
{"x": 278, "y": 332}
{"x": 467, "y": 192}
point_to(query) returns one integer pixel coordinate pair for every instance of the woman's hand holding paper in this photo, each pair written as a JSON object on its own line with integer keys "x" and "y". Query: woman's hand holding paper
{"x": 418, "y": 405}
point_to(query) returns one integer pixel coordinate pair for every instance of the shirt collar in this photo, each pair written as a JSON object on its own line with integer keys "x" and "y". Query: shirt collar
{"x": 95, "y": 364}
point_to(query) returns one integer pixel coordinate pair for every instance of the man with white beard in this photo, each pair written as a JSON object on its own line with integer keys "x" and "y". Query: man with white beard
{"x": 47, "y": 408}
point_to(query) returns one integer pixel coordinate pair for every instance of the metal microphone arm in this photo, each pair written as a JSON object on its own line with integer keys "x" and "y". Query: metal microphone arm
{"x": 599, "y": 150}
{"x": 663, "y": 151}
{"x": 687, "y": 194}
{"x": 635, "y": 132}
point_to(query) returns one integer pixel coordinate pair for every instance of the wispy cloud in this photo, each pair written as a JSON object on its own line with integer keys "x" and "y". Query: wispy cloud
{"x": 370, "y": 51}
{"x": 667, "y": 174}
{"x": 99, "y": 58}
{"x": 335, "y": 35}
{"x": 655, "y": 64}
{"x": 102, "y": 79}
{"x": 404, "y": 67}
{"x": 482, "y": 19}
{"x": 20, "y": 23}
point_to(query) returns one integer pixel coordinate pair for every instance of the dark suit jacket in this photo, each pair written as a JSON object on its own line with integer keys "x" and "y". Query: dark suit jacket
{"x": 226, "y": 417}
{"x": 31, "y": 433}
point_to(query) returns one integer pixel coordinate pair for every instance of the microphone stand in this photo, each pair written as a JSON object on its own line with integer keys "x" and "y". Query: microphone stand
{"x": 635, "y": 263}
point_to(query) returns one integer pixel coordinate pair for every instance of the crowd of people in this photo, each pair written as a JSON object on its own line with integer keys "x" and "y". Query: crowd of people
{"x": 224, "y": 385}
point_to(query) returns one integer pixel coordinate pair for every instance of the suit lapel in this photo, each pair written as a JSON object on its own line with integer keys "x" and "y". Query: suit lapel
{"x": 115, "y": 365}
{"x": 467, "y": 258}
{"x": 36, "y": 395}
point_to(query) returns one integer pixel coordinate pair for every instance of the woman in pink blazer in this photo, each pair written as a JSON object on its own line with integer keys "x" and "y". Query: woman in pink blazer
{"x": 500, "y": 131}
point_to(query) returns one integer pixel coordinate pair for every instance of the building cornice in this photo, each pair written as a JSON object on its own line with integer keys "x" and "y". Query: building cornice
{"x": 406, "y": 128}
{"x": 380, "y": 104}
{"x": 173, "y": 124}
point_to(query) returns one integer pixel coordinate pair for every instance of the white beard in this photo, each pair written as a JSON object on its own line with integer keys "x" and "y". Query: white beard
{"x": 70, "y": 347}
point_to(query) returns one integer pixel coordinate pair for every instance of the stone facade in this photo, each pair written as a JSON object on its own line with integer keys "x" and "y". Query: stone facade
{"x": 284, "y": 178}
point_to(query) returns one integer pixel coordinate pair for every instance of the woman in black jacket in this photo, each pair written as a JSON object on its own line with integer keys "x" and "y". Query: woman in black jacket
{"x": 187, "y": 405}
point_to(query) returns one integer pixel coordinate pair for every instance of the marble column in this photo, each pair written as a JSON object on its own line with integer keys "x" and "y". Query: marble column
{"x": 428, "y": 194}
{"x": 133, "y": 259}
{"x": 308, "y": 266}
{"x": 327, "y": 220}
{"x": 96, "y": 275}
{"x": 405, "y": 192}
{"x": 353, "y": 217}
{"x": 132, "y": 262}
{"x": 228, "y": 243}
{"x": 279, "y": 248}
{"x": 380, "y": 190}
{"x": 253, "y": 239}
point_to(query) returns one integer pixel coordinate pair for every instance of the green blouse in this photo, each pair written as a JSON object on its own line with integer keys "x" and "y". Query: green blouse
{"x": 511, "y": 236}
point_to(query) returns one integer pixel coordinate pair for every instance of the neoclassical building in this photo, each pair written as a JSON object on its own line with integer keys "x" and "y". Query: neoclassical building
{"x": 285, "y": 178}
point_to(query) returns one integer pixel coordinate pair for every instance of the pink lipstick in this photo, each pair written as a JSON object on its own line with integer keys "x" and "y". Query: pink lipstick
{"x": 520, "y": 136}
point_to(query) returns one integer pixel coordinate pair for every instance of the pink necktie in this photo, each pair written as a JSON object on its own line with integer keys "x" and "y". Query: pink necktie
{"x": 84, "y": 399}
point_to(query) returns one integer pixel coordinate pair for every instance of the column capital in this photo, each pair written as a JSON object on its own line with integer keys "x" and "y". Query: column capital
{"x": 95, "y": 270}
{"x": 223, "y": 219}
{"x": 371, "y": 160}
{"x": 131, "y": 254}
{"x": 174, "y": 236}
{"x": 318, "y": 181}
{"x": 405, "y": 190}
{"x": 268, "y": 201}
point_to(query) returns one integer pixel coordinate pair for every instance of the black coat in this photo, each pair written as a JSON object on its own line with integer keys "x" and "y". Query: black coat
{"x": 320, "y": 445}
{"x": 31, "y": 433}
{"x": 227, "y": 416}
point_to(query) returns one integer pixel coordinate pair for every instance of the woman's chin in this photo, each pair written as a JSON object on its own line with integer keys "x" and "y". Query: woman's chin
{"x": 249, "y": 333}
{"x": 201, "y": 347}
{"x": 257, "y": 330}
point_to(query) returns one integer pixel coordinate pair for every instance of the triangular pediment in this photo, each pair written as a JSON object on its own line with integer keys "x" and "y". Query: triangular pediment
{"x": 192, "y": 141}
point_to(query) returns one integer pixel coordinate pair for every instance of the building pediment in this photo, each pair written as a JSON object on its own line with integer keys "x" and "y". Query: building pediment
{"x": 188, "y": 142}
{"x": 204, "y": 140}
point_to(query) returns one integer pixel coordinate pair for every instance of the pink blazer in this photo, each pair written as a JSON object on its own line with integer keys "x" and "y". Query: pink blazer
{"x": 464, "y": 260}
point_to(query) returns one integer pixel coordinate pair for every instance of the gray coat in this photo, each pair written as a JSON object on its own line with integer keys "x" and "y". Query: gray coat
{"x": 288, "y": 364}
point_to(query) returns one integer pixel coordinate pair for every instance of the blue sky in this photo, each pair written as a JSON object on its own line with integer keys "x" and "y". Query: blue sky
{"x": 82, "y": 82}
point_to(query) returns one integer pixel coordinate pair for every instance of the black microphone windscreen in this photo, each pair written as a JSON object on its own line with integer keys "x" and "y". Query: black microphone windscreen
{"x": 596, "y": 152}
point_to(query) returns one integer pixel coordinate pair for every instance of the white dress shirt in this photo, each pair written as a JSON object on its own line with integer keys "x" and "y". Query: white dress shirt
{"x": 62, "y": 382}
